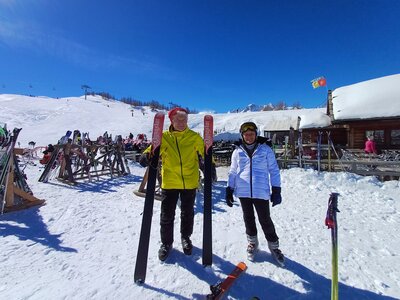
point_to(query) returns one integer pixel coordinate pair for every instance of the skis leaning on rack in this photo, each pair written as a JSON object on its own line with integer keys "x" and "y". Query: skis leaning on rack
{"x": 207, "y": 222}
{"x": 144, "y": 239}
{"x": 55, "y": 155}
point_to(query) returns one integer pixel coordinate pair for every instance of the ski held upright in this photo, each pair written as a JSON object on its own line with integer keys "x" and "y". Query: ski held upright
{"x": 207, "y": 214}
{"x": 144, "y": 239}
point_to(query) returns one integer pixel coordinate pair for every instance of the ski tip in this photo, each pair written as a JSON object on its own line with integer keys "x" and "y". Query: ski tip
{"x": 160, "y": 115}
{"x": 242, "y": 265}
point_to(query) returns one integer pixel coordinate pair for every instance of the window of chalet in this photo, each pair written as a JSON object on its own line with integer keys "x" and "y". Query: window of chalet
{"x": 379, "y": 135}
{"x": 279, "y": 136}
{"x": 395, "y": 137}
{"x": 307, "y": 138}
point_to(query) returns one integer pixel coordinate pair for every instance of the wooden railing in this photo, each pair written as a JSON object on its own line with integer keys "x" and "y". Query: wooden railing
{"x": 366, "y": 167}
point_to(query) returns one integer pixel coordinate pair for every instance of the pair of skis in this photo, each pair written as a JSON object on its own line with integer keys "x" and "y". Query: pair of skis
{"x": 219, "y": 289}
{"x": 5, "y": 171}
{"x": 52, "y": 163}
{"x": 144, "y": 239}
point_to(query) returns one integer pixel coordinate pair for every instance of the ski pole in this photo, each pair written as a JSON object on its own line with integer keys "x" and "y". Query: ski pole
{"x": 331, "y": 222}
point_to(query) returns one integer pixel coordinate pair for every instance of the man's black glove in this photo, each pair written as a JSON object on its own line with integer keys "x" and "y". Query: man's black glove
{"x": 276, "y": 197}
{"x": 229, "y": 196}
{"x": 201, "y": 163}
{"x": 144, "y": 160}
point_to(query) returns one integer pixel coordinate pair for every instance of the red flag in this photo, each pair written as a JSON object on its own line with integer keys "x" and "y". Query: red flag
{"x": 317, "y": 82}
{"x": 322, "y": 81}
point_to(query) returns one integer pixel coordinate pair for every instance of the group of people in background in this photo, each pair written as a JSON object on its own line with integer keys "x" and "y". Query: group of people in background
{"x": 254, "y": 178}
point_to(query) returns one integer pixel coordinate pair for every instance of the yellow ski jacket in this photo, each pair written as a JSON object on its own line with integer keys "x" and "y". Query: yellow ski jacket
{"x": 179, "y": 156}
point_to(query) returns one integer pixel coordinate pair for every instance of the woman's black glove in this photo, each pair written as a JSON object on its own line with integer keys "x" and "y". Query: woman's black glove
{"x": 276, "y": 197}
{"x": 229, "y": 196}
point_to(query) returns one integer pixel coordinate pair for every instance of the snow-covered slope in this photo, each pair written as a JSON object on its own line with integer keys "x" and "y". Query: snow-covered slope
{"x": 44, "y": 120}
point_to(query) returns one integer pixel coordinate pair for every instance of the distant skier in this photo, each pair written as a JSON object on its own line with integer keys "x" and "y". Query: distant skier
{"x": 47, "y": 154}
{"x": 253, "y": 170}
{"x": 46, "y": 157}
{"x": 3, "y": 136}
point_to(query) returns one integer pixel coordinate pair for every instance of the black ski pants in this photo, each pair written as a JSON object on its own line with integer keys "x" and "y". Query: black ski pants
{"x": 169, "y": 199}
{"x": 262, "y": 208}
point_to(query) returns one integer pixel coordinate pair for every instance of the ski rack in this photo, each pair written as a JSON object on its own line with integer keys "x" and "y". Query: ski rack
{"x": 15, "y": 193}
{"x": 88, "y": 160}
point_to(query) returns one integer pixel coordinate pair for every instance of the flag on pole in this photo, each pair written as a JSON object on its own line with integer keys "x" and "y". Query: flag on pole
{"x": 317, "y": 82}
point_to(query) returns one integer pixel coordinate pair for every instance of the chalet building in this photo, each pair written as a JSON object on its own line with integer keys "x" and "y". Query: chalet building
{"x": 353, "y": 112}
{"x": 367, "y": 108}
{"x": 278, "y": 125}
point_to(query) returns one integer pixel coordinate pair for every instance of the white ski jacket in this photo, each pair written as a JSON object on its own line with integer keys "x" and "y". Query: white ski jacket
{"x": 250, "y": 177}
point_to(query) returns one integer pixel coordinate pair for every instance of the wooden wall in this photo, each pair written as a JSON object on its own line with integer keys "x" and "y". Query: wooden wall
{"x": 357, "y": 131}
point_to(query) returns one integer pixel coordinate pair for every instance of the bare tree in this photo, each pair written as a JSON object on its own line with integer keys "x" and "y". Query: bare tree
{"x": 297, "y": 105}
{"x": 281, "y": 105}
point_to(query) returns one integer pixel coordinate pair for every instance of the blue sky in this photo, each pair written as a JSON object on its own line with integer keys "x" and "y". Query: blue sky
{"x": 208, "y": 55}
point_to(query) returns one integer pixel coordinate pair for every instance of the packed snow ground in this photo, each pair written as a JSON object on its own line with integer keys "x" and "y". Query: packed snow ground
{"x": 82, "y": 244}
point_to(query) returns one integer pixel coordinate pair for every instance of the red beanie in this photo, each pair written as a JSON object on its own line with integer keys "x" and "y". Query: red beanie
{"x": 173, "y": 112}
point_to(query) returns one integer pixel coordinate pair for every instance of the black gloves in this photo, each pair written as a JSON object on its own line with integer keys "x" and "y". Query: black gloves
{"x": 144, "y": 160}
{"x": 276, "y": 197}
{"x": 229, "y": 196}
{"x": 201, "y": 163}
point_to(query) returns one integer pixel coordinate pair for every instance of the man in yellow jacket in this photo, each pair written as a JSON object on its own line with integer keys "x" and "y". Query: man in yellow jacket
{"x": 180, "y": 150}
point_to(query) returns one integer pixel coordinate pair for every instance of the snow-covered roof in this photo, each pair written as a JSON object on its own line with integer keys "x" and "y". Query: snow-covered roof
{"x": 280, "y": 120}
{"x": 376, "y": 98}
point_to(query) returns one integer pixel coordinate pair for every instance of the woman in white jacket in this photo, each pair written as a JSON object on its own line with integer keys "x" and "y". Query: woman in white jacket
{"x": 254, "y": 172}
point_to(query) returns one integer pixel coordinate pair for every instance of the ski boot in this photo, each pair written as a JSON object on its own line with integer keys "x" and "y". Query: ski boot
{"x": 187, "y": 245}
{"x": 164, "y": 251}
{"x": 276, "y": 253}
{"x": 252, "y": 247}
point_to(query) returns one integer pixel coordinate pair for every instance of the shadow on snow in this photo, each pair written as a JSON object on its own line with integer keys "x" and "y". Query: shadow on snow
{"x": 31, "y": 227}
{"x": 102, "y": 186}
{"x": 315, "y": 285}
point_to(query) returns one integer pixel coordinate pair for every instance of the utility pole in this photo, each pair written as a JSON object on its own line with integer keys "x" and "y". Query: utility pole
{"x": 86, "y": 88}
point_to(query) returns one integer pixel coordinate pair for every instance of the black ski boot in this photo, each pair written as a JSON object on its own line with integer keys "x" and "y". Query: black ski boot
{"x": 187, "y": 245}
{"x": 276, "y": 253}
{"x": 164, "y": 252}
